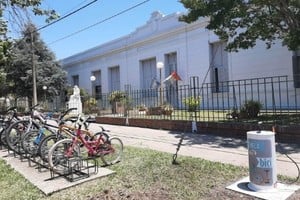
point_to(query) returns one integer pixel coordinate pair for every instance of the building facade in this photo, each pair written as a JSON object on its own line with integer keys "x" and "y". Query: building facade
{"x": 189, "y": 49}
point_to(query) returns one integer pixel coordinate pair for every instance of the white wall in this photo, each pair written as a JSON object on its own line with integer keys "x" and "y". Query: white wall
{"x": 261, "y": 62}
{"x": 165, "y": 34}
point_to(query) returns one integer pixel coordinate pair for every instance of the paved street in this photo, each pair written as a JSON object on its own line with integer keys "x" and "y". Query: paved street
{"x": 213, "y": 148}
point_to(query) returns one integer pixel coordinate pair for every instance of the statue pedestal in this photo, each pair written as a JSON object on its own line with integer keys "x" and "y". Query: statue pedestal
{"x": 75, "y": 104}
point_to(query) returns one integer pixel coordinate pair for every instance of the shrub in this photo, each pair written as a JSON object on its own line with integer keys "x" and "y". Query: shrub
{"x": 192, "y": 103}
{"x": 250, "y": 109}
{"x": 142, "y": 107}
{"x": 90, "y": 105}
{"x": 117, "y": 96}
{"x": 21, "y": 109}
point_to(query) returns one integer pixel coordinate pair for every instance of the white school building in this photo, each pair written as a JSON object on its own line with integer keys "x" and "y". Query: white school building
{"x": 189, "y": 49}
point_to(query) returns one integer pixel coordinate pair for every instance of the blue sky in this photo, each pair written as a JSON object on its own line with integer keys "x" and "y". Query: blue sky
{"x": 102, "y": 9}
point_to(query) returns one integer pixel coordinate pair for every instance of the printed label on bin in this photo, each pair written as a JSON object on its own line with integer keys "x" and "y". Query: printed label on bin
{"x": 264, "y": 163}
{"x": 260, "y": 162}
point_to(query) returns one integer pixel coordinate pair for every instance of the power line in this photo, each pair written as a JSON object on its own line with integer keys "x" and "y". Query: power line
{"x": 104, "y": 20}
{"x": 75, "y": 7}
{"x": 75, "y": 11}
{"x": 65, "y": 16}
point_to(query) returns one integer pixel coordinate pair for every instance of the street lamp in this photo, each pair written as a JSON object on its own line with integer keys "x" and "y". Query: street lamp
{"x": 93, "y": 106}
{"x": 45, "y": 88}
{"x": 92, "y": 79}
{"x": 160, "y": 66}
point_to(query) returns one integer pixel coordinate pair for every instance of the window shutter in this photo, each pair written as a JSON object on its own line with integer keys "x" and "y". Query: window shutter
{"x": 296, "y": 71}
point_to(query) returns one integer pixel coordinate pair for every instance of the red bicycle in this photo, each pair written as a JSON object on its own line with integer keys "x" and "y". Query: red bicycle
{"x": 82, "y": 146}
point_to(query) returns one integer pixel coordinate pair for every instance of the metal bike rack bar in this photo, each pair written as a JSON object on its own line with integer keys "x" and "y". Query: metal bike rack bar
{"x": 77, "y": 168}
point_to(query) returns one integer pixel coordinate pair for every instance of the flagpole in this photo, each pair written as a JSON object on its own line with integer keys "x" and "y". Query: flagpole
{"x": 160, "y": 66}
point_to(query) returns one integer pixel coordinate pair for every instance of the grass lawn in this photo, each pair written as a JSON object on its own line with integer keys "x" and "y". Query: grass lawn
{"x": 282, "y": 117}
{"x": 142, "y": 174}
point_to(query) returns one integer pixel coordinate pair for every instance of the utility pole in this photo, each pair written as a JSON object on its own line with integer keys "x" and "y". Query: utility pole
{"x": 34, "y": 100}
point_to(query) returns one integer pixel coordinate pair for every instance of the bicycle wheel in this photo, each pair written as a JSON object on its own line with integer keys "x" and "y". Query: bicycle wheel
{"x": 45, "y": 145}
{"x": 60, "y": 154}
{"x": 2, "y": 128}
{"x": 112, "y": 151}
{"x": 103, "y": 135}
{"x": 2, "y": 137}
{"x": 31, "y": 140}
{"x": 5, "y": 123}
{"x": 3, "y": 134}
{"x": 28, "y": 142}
{"x": 15, "y": 133}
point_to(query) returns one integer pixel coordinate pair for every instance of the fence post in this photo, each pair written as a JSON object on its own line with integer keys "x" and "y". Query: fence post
{"x": 194, "y": 85}
{"x": 126, "y": 112}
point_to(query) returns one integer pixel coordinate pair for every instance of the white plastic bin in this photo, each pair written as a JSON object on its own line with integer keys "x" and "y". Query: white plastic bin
{"x": 262, "y": 160}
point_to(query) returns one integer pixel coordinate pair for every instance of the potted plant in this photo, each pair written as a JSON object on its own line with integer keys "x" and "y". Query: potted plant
{"x": 90, "y": 105}
{"x": 167, "y": 109}
{"x": 116, "y": 99}
{"x": 141, "y": 108}
{"x": 192, "y": 103}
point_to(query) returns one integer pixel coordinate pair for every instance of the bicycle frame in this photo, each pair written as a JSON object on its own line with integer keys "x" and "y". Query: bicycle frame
{"x": 52, "y": 128}
{"x": 93, "y": 146}
{"x": 42, "y": 130}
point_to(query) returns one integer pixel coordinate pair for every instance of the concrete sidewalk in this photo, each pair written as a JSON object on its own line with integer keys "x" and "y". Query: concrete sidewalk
{"x": 209, "y": 147}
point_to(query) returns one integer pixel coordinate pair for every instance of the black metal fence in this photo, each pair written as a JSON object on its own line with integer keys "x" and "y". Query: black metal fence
{"x": 276, "y": 98}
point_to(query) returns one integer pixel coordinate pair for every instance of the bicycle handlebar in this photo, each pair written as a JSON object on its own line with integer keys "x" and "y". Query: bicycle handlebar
{"x": 14, "y": 108}
{"x": 82, "y": 120}
{"x": 33, "y": 107}
{"x": 66, "y": 112}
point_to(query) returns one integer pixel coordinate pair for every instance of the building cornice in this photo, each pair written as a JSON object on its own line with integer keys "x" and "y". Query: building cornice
{"x": 134, "y": 40}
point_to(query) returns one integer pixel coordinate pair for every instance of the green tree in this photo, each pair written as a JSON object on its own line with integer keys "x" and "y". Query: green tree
{"x": 11, "y": 10}
{"x": 242, "y": 22}
{"x": 4, "y": 60}
{"x": 19, "y": 71}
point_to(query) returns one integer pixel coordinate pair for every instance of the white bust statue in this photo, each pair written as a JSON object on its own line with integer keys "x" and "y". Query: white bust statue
{"x": 76, "y": 93}
{"x": 75, "y": 101}
{"x": 76, "y": 90}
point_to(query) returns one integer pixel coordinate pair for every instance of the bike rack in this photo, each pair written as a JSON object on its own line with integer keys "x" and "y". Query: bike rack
{"x": 19, "y": 153}
{"x": 77, "y": 168}
{"x": 42, "y": 165}
{"x": 30, "y": 159}
{"x": 35, "y": 159}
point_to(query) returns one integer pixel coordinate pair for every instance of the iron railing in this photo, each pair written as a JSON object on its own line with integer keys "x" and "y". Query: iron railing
{"x": 223, "y": 101}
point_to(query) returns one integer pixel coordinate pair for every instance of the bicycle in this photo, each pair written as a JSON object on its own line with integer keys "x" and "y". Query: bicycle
{"x": 65, "y": 130}
{"x": 7, "y": 118}
{"x": 31, "y": 140}
{"x": 109, "y": 150}
{"x": 17, "y": 130}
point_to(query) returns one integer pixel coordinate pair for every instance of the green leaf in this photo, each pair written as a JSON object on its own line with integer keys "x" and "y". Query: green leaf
{"x": 241, "y": 23}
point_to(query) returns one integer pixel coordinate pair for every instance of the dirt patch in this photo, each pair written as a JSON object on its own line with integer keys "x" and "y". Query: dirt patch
{"x": 222, "y": 193}
{"x": 152, "y": 194}
{"x": 295, "y": 196}
{"x": 163, "y": 194}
